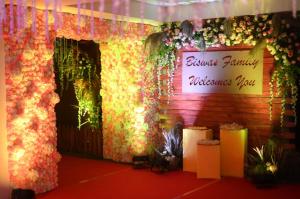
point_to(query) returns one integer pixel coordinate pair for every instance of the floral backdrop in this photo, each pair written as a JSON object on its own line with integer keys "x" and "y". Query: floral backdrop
{"x": 124, "y": 79}
{"x": 31, "y": 118}
{"x": 128, "y": 108}
{"x": 276, "y": 32}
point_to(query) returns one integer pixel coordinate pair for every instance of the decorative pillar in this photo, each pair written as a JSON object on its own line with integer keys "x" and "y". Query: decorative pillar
{"x": 4, "y": 177}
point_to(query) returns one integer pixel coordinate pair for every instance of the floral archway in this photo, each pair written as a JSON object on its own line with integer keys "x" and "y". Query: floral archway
{"x": 31, "y": 99}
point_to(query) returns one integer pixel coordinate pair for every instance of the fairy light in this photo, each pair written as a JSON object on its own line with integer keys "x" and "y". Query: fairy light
{"x": 2, "y": 15}
{"x": 101, "y": 7}
{"x": 92, "y": 19}
{"x": 226, "y": 7}
{"x": 127, "y": 8}
{"x": 294, "y": 8}
{"x": 171, "y": 9}
{"x": 18, "y": 22}
{"x": 78, "y": 16}
{"x": 60, "y": 22}
{"x": 257, "y": 6}
{"x": 24, "y": 13}
{"x": 142, "y": 15}
{"x": 55, "y": 15}
{"x": 11, "y": 17}
{"x": 115, "y": 7}
{"x": 33, "y": 13}
{"x": 3, "y": 11}
{"x": 19, "y": 14}
{"x": 46, "y": 19}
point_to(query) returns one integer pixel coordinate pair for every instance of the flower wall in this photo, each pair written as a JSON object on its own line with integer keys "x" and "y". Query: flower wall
{"x": 31, "y": 118}
{"x": 30, "y": 84}
{"x": 125, "y": 102}
{"x": 127, "y": 82}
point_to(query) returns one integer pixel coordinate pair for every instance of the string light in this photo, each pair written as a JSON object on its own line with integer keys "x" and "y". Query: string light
{"x": 11, "y": 17}
{"x": 294, "y": 8}
{"x": 101, "y": 7}
{"x": 17, "y": 20}
{"x": 46, "y": 20}
{"x": 78, "y": 16}
{"x": 55, "y": 15}
{"x": 142, "y": 15}
{"x": 33, "y": 13}
{"x": 92, "y": 19}
{"x": 2, "y": 15}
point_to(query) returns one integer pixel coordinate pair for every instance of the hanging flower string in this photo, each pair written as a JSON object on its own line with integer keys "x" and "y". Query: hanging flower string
{"x": 11, "y": 16}
{"x": 33, "y": 13}
{"x": 101, "y": 8}
{"x": 46, "y": 20}
{"x": 294, "y": 8}
{"x": 55, "y": 15}
{"x": 92, "y": 19}
{"x": 2, "y": 14}
{"x": 78, "y": 16}
{"x": 142, "y": 15}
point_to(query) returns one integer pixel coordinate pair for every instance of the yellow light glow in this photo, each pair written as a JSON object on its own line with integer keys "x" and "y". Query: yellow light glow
{"x": 18, "y": 154}
{"x": 139, "y": 144}
{"x": 20, "y": 122}
{"x": 28, "y": 54}
{"x": 271, "y": 167}
{"x": 139, "y": 109}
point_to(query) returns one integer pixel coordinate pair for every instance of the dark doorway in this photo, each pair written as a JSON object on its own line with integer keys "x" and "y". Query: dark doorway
{"x": 69, "y": 56}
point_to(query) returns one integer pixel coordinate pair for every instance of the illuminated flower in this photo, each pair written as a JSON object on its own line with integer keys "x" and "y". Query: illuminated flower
{"x": 260, "y": 152}
{"x": 271, "y": 167}
{"x": 222, "y": 38}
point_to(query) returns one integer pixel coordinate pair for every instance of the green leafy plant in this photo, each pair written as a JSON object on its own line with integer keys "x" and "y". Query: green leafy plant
{"x": 170, "y": 153}
{"x": 265, "y": 163}
{"x": 76, "y": 67}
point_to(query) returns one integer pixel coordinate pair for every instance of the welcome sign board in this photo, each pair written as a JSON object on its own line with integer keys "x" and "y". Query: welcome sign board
{"x": 237, "y": 72}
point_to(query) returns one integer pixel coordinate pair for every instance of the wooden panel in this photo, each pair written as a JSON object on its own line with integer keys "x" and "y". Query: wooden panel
{"x": 84, "y": 142}
{"x": 211, "y": 110}
{"x": 190, "y": 140}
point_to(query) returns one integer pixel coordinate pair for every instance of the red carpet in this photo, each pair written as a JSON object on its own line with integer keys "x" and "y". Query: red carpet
{"x": 93, "y": 179}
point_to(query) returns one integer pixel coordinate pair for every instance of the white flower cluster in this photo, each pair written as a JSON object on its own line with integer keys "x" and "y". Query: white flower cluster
{"x": 231, "y": 126}
{"x": 182, "y": 41}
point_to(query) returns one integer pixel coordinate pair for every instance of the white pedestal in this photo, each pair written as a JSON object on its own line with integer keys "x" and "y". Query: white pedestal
{"x": 208, "y": 161}
{"x": 190, "y": 139}
{"x": 233, "y": 152}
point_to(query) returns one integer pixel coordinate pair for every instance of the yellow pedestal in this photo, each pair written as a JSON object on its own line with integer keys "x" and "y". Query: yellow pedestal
{"x": 208, "y": 161}
{"x": 190, "y": 139}
{"x": 233, "y": 145}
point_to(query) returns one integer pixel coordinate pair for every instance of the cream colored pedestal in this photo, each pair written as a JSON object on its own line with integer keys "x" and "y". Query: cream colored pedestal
{"x": 208, "y": 161}
{"x": 190, "y": 139}
{"x": 233, "y": 145}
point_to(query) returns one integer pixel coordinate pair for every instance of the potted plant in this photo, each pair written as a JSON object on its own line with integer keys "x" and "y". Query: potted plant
{"x": 265, "y": 164}
{"x": 169, "y": 155}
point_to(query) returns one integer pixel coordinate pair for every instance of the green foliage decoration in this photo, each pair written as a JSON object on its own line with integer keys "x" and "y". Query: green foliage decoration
{"x": 76, "y": 67}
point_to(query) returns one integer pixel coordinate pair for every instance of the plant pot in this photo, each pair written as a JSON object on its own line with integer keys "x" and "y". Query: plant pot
{"x": 264, "y": 180}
